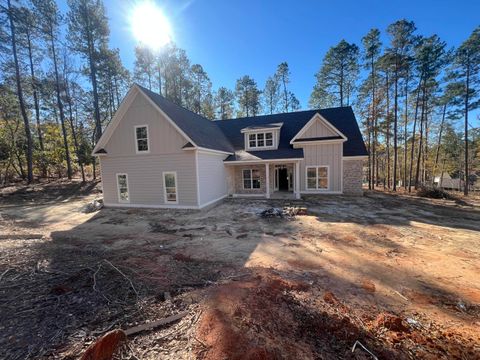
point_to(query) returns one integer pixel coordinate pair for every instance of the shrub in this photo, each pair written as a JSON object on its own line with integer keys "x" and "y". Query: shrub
{"x": 434, "y": 193}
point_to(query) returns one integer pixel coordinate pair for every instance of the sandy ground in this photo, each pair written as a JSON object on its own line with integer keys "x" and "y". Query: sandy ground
{"x": 398, "y": 273}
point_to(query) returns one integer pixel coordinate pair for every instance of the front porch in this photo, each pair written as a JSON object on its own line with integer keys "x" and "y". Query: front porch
{"x": 276, "y": 180}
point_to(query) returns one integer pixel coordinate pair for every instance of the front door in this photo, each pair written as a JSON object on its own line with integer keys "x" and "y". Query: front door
{"x": 283, "y": 179}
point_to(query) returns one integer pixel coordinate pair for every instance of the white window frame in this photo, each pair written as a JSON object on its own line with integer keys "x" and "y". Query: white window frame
{"x": 265, "y": 146}
{"x": 251, "y": 179}
{"x": 316, "y": 167}
{"x": 165, "y": 198}
{"x": 136, "y": 139}
{"x": 118, "y": 188}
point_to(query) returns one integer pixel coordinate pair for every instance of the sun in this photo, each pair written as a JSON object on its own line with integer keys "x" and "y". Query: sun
{"x": 150, "y": 26}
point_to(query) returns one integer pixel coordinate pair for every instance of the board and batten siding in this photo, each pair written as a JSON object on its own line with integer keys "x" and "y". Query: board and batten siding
{"x": 318, "y": 129}
{"x": 329, "y": 154}
{"x": 212, "y": 177}
{"x": 318, "y": 155}
{"x": 145, "y": 170}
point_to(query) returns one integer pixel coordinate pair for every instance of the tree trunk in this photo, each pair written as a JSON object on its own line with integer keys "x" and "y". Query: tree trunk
{"x": 341, "y": 87}
{"x": 405, "y": 134}
{"x": 467, "y": 88}
{"x": 412, "y": 151}
{"x": 34, "y": 88}
{"x": 388, "y": 133}
{"x": 60, "y": 106}
{"x": 440, "y": 131}
{"x": 26, "y": 122}
{"x": 74, "y": 132}
{"x": 93, "y": 79}
{"x": 420, "y": 145}
{"x": 371, "y": 154}
{"x": 425, "y": 147}
{"x": 395, "y": 128}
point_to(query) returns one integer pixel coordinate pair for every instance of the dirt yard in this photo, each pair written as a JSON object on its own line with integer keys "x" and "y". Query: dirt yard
{"x": 397, "y": 273}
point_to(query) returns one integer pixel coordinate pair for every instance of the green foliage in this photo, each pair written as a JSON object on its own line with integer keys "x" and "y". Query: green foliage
{"x": 271, "y": 95}
{"x": 224, "y": 103}
{"x": 337, "y": 76}
{"x": 248, "y": 96}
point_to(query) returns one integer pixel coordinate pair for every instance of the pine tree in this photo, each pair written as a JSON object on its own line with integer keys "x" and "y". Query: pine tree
{"x": 26, "y": 122}
{"x": 50, "y": 21}
{"x": 88, "y": 33}
{"x": 467, "y": 60}
{"x": 224, "y": 99}
{"x": 283, "y": 75}
{"x": 337, "y": 76}
{"x": 402, "y": 39}
{"x": 271, "y": 94}
{"x": 144, "y": 66}
{"x": 248, "y": 96}
{"x": 372, "y": 49}
{"x": 201, "y": 100}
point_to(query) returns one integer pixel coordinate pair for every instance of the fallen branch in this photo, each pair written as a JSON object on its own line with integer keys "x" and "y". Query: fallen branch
{"x": 121, "y": 273}
{"x": 3, "y": 274}
{"x": 398, "y": 293}
{"x": 154, "y": 324}
{"x": 364, "y": 348}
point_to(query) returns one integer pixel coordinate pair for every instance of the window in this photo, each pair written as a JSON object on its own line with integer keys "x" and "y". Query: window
{"x": 268, "y": 139}
{"x": 317, "y": 177}
{"x": 252, "y": 140}
{"x": 251, "y": 179}
{"x": 170, "y": 187}
{"x": 259, "y": 140}
{"x": 122, "y": 187}
{"x": 141, "y": 138}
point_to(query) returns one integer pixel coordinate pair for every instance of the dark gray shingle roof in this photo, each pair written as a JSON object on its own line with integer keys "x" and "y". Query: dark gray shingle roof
{"x": 226, "y": 135}
{"x": 342, "y": 118}
{"x": 203, "y": 132}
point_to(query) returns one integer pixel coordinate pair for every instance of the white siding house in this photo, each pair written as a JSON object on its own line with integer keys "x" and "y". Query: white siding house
{"x": 157, "y": 154}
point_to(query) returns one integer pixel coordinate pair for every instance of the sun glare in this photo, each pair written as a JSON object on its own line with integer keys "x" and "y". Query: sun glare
{"x": 150, "y": 26}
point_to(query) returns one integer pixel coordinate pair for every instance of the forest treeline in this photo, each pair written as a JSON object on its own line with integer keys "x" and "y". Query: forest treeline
{"x": 61, "y": 83}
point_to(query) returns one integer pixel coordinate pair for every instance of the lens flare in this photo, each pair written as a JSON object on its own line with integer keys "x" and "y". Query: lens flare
{"x": 150, "y": 26}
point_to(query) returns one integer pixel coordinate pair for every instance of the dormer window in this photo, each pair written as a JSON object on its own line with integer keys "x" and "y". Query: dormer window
{"x": 141, "y": 139}
{"x": 262, "y": 137}
{"x": 260, "y": 140}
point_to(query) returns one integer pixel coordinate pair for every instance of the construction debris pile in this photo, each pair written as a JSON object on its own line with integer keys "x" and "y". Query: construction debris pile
{"x": 286, "y": 212}
{"x": 93, "y": 206}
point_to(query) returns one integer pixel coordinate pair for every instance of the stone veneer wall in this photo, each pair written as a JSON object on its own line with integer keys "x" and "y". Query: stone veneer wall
{"x": 352, "y": 177}
{"x": 239, "y": 179}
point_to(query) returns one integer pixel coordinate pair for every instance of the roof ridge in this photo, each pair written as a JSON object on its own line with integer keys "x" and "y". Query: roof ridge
{"x": 155, "y": 97}
{"x": 172, "y": 102}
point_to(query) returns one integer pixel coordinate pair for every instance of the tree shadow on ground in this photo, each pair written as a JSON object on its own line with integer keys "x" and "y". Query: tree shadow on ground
{"x": 396, "y": 210}
{"x": 114, "y": 271}
{"x": 49, "y": 193}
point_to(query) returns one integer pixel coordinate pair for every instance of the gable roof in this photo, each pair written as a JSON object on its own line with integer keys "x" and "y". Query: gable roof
{"x": 341, "y": 118}
{"x": 203, "y": 132}
{"x": 227, "y": 136}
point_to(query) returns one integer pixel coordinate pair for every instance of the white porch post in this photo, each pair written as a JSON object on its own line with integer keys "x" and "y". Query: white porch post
{"x": 297, "y": 180}
{"x": 267, "y": 181}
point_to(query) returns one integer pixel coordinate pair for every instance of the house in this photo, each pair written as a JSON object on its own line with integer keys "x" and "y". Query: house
{"x": 445, "y": 181}
{"x": 155, "y": 153}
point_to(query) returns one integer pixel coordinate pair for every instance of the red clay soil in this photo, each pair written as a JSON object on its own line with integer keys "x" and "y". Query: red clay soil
{"x": 269, "y": 317}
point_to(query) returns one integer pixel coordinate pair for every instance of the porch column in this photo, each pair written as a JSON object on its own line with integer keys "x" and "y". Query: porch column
{"x": 267, "y": 181}
{"x": 297, "y": 180}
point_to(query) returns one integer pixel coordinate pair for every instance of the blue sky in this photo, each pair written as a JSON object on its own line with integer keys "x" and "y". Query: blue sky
{"x": 233, "y": 38}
